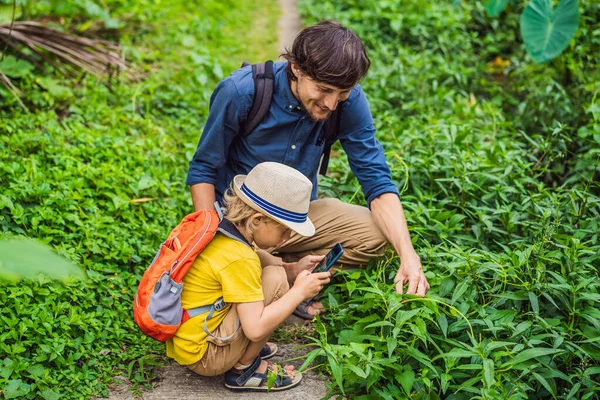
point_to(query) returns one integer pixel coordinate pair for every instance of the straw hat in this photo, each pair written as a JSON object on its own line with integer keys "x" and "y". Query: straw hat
{"x": 280, "y": 192}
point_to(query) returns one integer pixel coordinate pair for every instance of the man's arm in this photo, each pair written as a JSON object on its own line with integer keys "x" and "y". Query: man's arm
{"x": 367, "y": 161}
{"x": 203, "y": 196}
{"x": 222, "y": 125}
{"x": 388, "y": 215}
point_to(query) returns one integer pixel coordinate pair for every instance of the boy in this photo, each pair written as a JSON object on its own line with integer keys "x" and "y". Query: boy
{"x": 263, "y": 208}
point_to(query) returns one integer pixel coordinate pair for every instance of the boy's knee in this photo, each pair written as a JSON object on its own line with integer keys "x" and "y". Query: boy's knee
{"x": 274, "y": 282}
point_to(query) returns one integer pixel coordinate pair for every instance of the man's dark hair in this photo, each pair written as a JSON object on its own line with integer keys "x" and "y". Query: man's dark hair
{"x": 329, "y": 52}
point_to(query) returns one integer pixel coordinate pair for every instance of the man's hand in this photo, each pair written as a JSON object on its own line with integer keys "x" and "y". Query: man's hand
{"x": 411, "y": 272}
{"x": 307, "y": 263}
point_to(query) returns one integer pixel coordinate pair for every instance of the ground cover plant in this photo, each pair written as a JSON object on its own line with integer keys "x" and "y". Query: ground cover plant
{"x": 98, "y": 174}
{"x": 497, "y": 159}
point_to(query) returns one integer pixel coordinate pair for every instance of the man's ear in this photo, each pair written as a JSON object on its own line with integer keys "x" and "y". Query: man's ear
{"x": 295, "y": 70}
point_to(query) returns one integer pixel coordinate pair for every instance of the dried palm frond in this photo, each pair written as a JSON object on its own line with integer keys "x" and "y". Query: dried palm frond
{"x": 65, "y": 52}
{"x": 5, "y": 80}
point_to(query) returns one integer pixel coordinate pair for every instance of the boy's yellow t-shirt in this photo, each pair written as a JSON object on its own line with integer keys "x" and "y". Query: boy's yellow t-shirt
{"x": 225, "y": 268}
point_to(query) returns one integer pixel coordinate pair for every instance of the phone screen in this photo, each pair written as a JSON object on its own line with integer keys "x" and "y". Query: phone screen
{"x": 330, "y": 259}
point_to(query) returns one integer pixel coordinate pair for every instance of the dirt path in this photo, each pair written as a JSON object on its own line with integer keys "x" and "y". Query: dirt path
{"x": 176, "y": 382}
{"x": 289, "y": 23}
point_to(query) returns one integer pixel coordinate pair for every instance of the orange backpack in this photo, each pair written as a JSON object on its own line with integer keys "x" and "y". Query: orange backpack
{"x": 157, "y": 307}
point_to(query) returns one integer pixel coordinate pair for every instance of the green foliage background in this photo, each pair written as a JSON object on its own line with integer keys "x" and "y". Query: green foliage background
{"x": 498, "y": 159}
{"x": 497, "y": 163}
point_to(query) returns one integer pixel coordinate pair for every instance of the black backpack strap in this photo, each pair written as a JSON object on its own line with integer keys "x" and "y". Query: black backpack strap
{"x": 264, "y": 82}
{"x": 332, "y": 129}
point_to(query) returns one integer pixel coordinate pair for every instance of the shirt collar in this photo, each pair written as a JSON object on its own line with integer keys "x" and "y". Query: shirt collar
{"x": 230, "y": 230}
{"x": 283, "y": 86}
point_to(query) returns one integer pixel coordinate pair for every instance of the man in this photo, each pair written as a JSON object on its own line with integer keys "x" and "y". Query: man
{"x": 322, "y": 72}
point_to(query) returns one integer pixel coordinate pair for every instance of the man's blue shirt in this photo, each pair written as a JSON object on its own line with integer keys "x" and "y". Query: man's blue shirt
{"x": 286, "y": 135}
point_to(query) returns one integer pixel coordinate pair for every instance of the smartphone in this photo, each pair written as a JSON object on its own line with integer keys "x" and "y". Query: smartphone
{"x": 330, "y": 259}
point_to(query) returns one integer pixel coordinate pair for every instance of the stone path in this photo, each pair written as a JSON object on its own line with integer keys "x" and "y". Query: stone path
{"x": 179, "y": 383}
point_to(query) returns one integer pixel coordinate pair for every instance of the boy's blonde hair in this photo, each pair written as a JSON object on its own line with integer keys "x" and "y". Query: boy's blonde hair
{"x": 238, "y": 212}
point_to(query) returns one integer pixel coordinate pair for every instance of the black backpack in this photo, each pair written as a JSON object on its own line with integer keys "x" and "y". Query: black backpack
{"x": 263, "y": 77}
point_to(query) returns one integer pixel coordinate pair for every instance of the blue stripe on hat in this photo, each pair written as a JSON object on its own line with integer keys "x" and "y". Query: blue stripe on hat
{"x": 272, "y": 209}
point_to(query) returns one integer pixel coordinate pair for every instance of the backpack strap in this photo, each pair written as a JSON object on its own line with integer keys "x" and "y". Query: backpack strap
{"x": 210, "y": 309}
{"x": 229, "y": 230}
{"x": 332, "y": 130}
{"x": 219, "y": 210}
{"x": 264, "y": 82}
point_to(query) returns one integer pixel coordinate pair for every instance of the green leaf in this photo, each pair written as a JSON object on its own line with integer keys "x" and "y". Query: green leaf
{"x": 15, "y": 68}
{"x": 271, "y": 378}
{"x": 544, "y": 383}
{"x": 527, "y": 355}
{"x": 446, "y": 286}
{"x": 359, "y": 372}
{"x": 15, "y": 389}
{"x": 488, "y": 373}
{"x": 458, "y": 353}
{"x": 7, "y": 368}
{"x": 535, "y": 306}
{"x": 495, "y": 7}
{"x": 574, "y": 390}
{"x": 50, "y": 395}
{"x": 391, "y": 345}
{"x": 36, "y": 370}
{"x": 54, "y": 87}
{"x": 6, "y": 13}
{"x": 443, "y": 323}
{"x": 310, "y": 357}
{"x": 546, "y": 31}
{"x": 26, "y": 258}
{"x": 146, "y": 182}
{"x": 406, "y": 379}
{"x": 592, "y": 371}
{"x": 336, "y": 370}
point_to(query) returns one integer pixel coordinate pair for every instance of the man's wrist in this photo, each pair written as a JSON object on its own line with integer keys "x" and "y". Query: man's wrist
{"x": 410, "y": 257}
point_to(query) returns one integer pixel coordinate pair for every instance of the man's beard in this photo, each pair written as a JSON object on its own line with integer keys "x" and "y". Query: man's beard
{"x": 314, "y": 118}
{"x": 303, "y": 108}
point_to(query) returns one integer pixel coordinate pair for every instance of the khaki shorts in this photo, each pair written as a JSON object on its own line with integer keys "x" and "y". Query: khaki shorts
{"x": 221, "y": 355}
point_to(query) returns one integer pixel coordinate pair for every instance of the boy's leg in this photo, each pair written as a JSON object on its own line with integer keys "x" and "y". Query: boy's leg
{"x": 274, "y": 285}
{"x": 338, "y": 222}
{"x": 221, "y": 356}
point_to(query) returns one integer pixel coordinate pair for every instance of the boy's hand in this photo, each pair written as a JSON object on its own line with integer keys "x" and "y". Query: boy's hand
{"x": 309, "y": 284}
{"x": 307, "y": 263}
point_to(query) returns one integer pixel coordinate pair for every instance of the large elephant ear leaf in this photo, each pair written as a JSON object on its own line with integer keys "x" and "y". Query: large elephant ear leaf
{"x": 547, "y": 31}
{"x": 495, "y": 7}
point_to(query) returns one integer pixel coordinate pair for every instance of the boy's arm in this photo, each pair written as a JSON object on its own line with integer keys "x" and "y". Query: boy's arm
{"x": 259, "y": 322}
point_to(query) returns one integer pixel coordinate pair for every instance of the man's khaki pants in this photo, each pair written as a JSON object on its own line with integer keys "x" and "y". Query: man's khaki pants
{"x": 221, "y": 355}
{"x": 337, "y": 222}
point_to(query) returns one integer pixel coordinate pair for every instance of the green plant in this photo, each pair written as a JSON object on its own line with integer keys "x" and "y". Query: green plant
{"x": 545, "y": 30}
{"x": 502, "y": 199}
